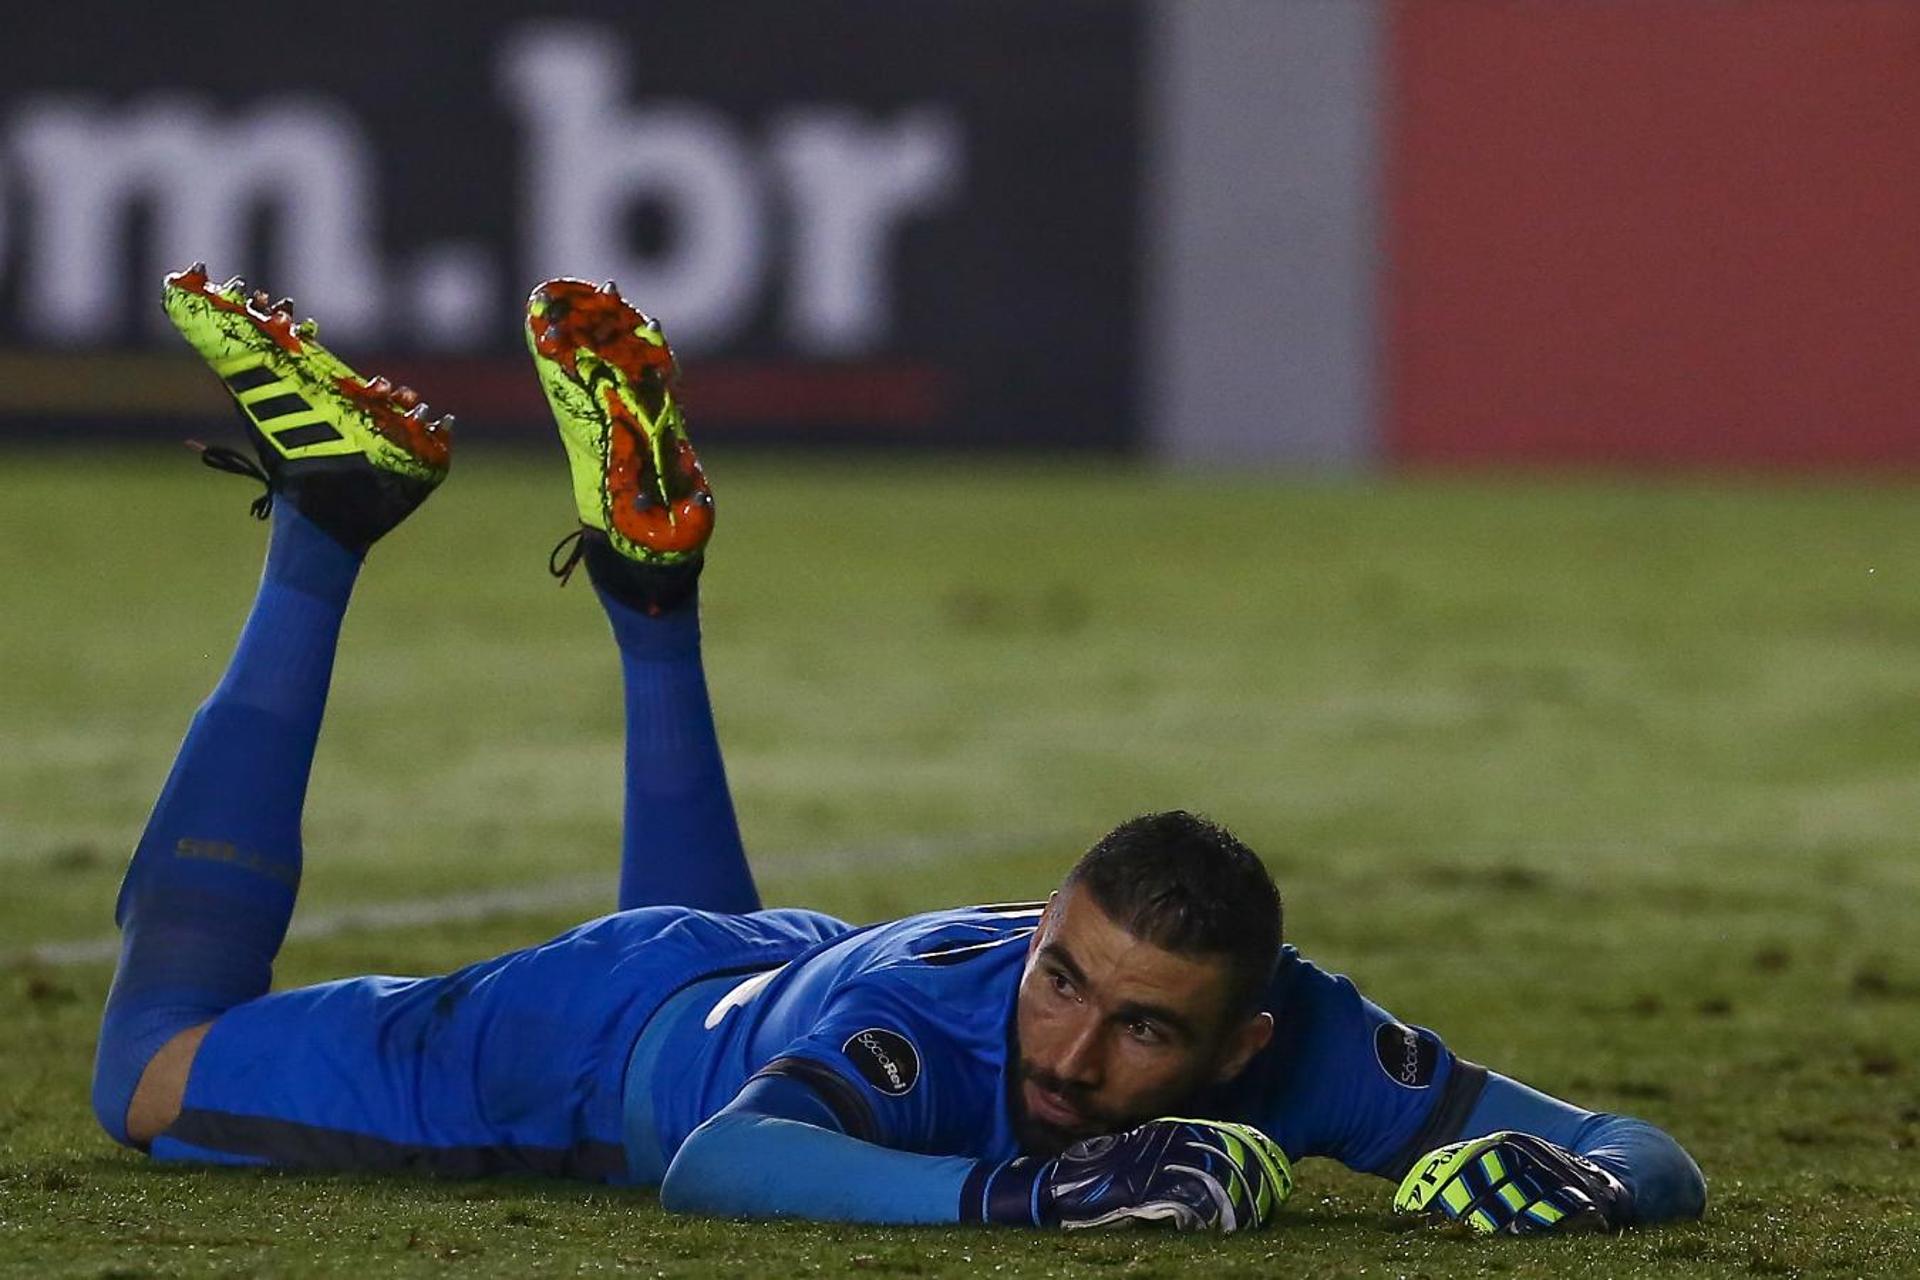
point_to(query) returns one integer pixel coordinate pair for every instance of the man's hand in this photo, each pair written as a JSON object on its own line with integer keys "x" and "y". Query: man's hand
{"x": 1191, "y": 1175}
{"x": 1514, "y": 1184}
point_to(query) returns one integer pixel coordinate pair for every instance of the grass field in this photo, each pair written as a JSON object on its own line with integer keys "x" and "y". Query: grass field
{"x": 1615, "y": 786}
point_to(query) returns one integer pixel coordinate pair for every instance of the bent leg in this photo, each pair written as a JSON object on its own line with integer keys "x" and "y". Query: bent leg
{"x": 646, "y": 512}
{"x": 208, "y": 894}
{"x": 511, "y": 1065}
{"x": 681, "y": 843}
{"x": 429, "y": 1075}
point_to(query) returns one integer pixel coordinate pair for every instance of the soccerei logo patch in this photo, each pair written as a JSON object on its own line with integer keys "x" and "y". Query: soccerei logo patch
{"x": 885, "y": 1059}
{"x": 1407, "y": 1056}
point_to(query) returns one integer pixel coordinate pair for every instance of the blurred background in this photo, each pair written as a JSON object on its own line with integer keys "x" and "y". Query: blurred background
{"x": 1340, "y": 234}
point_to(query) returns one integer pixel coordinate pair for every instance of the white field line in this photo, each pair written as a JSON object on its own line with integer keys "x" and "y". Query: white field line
{"x": 594, "y": 893}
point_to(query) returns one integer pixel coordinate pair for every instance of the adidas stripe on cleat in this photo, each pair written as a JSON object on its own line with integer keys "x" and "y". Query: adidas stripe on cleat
{"x": 353, "y": 454}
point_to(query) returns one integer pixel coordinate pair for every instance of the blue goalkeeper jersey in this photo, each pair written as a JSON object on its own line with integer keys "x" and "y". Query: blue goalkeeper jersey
{"x": 905, "y": 1030}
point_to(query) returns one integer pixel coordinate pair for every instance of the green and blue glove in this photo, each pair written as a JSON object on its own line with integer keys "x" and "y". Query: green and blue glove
{"x": 1512, "y": 1183}
{"x": 1190, "y": 1175}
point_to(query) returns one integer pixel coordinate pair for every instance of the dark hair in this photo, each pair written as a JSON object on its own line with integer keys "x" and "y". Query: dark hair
{"x": 1186, "y": 884}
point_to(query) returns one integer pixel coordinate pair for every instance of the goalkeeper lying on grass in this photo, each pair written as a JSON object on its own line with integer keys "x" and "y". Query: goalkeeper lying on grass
{"x": 1009, "y": 1064}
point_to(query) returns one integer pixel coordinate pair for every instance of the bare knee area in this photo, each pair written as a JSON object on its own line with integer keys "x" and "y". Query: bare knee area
{"x": 156, "y": 1103}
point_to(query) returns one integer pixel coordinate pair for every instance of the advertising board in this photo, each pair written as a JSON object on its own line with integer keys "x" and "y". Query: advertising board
{"x": 861, "y": 222}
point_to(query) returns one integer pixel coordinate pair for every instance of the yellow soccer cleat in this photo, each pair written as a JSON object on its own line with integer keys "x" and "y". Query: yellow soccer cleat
{"x": 609, "y": 376}
{"x": 354, "y": 455}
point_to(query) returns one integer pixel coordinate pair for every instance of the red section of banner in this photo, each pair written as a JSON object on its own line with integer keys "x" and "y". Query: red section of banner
{"x": 1665, "y": 232}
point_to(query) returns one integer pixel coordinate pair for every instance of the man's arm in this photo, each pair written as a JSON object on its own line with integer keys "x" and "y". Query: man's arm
{"x": 778, "y": 1150}
{"x": 1662, "y": 1179}
{"x": 1346, "y": 1079}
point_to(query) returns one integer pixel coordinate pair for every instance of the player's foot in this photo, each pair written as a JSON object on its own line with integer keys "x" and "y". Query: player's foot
{"x": 646, "y": 509}
{"x": 354, "y": 455}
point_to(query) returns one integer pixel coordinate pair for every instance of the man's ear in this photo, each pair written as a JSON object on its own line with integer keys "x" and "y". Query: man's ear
{"x": 1250, "y": 1038}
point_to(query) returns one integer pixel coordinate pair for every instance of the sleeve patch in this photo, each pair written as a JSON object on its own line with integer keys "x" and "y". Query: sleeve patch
{"x": 1409, "y": 1057}
{"x": 885, "y": 1059}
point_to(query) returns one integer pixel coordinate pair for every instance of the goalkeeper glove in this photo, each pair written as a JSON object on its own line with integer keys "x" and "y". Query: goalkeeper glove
{"x": 1192, "y": 1175}
{"x": 1514, "y": 1183}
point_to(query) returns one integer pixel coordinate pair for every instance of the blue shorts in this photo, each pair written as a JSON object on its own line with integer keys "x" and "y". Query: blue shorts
{"x": 511, "y": 1065}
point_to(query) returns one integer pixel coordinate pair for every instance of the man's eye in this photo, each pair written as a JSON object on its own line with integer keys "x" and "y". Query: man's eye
{"x": 1143, "y": 1031}
{"x": 1061, "y": 983}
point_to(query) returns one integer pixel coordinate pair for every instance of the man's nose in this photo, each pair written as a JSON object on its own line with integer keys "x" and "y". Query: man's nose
{"x": 1082, "y": 1059}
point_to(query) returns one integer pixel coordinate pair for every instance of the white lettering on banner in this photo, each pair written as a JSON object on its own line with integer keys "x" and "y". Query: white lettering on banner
{"x": 848, "y": 183}
{"x": 592, "y": 160}
{"x": 83, "y": 167}
{"x": 452, "y": 295}
{"x": 851, "y": 183}
{"x": 835, "y": 184}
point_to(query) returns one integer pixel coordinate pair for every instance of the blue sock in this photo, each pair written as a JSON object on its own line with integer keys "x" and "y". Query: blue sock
{"x": 207, "y": 897}
{"x": 681, "y": 844}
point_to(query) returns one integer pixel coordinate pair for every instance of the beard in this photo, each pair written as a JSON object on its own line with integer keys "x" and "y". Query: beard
{"x": 1041, "y": 1137}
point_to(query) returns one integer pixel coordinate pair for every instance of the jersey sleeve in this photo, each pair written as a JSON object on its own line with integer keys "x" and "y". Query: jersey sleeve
{"x": 774, "y": 1152}
{"x": 1661, "y": 1178}
{"x": 890, "y": 1070}
{"x": 1347, "y": 1080}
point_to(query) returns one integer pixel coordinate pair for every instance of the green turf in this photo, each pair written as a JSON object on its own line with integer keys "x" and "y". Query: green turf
{"x": 1616, "y": 786}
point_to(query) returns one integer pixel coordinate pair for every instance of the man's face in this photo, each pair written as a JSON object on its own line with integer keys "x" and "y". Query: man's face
{"x": 1112, "y": 1031}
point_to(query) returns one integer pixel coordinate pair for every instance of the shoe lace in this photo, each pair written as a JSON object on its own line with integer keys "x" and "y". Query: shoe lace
{"x": 567, "y": 554}
{"x": 234, "y": 462}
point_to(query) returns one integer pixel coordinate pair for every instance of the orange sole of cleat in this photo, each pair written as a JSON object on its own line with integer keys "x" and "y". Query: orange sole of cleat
{"x": 277, "y": 325}
{"x": 430, "y": 440}
{"x": 637, "y": 513}
{"x": 577, "y": 315}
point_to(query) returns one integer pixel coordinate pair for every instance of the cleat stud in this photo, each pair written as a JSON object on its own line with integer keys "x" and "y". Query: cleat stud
{"x": 259, "y": 300}
{"x": 444, "y": 422}
{"x": 418, "y": 413}
{"x": 284, "y": 306}
{"x": 197, "y": 269}
{"x": 407, "y": 396}
{"x": 236, "y": 285}
{"x": 380, "y": 386}
{"x": 609, "y": 287}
